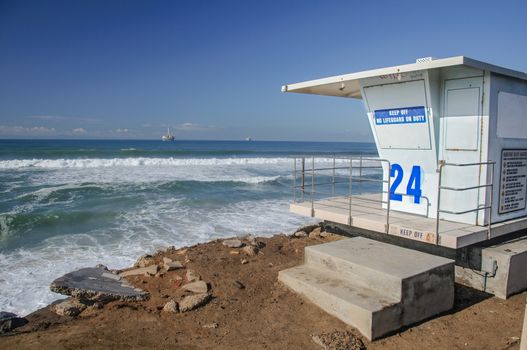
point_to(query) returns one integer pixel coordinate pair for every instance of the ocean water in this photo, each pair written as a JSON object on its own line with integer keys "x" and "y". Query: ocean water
{"x": 68, "y": 204}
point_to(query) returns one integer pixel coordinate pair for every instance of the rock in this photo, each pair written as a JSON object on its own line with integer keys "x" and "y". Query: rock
{"x": 144, "y": 261}
{"x": 210, "y": 325}
{"x": 182, "y": 252}
{"x": 308, "y": 228}
{"x": 325, "y": 234}
{"x": 239, "y": 285}
{"x": 315, "y": 233}
{"x": 91, "y": 284}
{"x": 234, "y": 252}
{"x": 344, "y": 340}
{"x": 243, "y": 262}
{"x": 300, "y": 234}
{"x": 113, "y": 276}
{"x": 250, "y": 250}
{"x": 101, "y": 266}
{"x": 173, "y": 265}
{"x": 70, "y": 307}
{"x": 192, "y": 302}
{"x": 196, "y": 287}
{"x": 92, "y": 309}
{"x": 252, "y": 240}
{"x": 170, "y": 249}
{"x": 149, "y": 270}
{"x": 171, "y": 306}
{"x": 233, "y": 243}
{"x": 10, "y": 321}
{"x": 255, "y": 242}
{"x": 192, "y": 276}
{"x": 167, "y": 260}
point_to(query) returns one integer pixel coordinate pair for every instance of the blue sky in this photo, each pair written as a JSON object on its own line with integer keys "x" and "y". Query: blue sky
{"x": 213, "y": 69}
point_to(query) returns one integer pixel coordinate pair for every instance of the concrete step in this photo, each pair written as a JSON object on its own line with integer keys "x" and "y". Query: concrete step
{"x": 373, "y": 286}
{"x": 372, "y": 264}
{"x": 371, "y": 312}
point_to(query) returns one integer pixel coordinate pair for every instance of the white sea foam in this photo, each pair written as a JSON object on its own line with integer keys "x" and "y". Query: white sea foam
{"x": 45, "y": 192}
{"x": 134, "y": 162}
{"x": 56, "y": 172}
{"x": 148, "y": 162}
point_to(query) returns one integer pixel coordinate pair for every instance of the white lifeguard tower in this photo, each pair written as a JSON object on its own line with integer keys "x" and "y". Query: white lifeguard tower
{"x": 451, "y": 136}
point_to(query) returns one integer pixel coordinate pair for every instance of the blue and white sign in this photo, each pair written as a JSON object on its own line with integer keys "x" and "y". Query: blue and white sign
{"x": 406, "y": 115}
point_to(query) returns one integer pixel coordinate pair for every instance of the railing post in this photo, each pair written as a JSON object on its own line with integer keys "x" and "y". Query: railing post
{"x": 333, "y": 178}
{"x": 303, "y": 178}
{"x": 389, "y": 199}
{"x": 294, "y": 180}
{"x": 441, "y": 163}
{"x": 350, "y": 193}
{"x": 313, "y": 186}
{"x": 490, "y": 199}
{"x": 360, "y": 175}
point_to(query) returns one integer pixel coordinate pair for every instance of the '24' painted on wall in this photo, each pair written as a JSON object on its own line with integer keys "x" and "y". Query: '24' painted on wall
{"x": 413, "y": 188}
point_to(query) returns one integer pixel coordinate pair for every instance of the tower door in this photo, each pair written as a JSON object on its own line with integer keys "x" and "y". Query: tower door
{"x": 461, "y": 138}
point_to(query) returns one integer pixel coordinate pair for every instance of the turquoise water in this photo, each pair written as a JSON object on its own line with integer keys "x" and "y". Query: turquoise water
{"x": 69, "y": 204}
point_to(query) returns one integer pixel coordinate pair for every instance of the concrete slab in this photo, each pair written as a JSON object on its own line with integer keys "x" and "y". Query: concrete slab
{"x": 10, "y": 321}
{"x": 93, "y": 283}
{"x": 358, "y": 306}
{"x": 510, "y": 274}
{"x": 388, "y": 259}
{"x": 371, "y": 263}
{"x": 373, "y": 286}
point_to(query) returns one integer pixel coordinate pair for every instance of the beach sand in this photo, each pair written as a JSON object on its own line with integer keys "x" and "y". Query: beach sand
{"x": 263, "y": 315}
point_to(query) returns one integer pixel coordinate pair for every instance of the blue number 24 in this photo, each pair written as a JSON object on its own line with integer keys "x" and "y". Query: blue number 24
{"x": 414, "y": 183}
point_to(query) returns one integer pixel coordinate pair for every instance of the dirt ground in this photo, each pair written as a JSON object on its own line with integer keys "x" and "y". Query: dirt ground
{"x": 263, "y": 315}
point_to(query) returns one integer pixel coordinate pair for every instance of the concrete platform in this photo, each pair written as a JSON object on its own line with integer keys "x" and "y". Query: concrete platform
{"x": 504, "y": 268}
{"x": 367, "y": 213}
{"x": 375, "y": 287}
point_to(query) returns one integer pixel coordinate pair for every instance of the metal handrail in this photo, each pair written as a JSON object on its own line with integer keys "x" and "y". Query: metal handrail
{"x": 312, "y": 170}
{"x": 490, "y": 184}
{"x": 463, "y": 188}
{"x": 342, "y": 182}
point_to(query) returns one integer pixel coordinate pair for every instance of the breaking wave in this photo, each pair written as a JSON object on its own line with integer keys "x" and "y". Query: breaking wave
{"x": 65, "y": 163}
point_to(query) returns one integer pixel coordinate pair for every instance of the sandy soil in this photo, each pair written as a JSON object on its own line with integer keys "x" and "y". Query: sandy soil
{"x": 263, "y": 315}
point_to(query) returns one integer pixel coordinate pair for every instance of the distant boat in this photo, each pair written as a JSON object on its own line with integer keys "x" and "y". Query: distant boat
{"x": 248, "y": 139}
{"x": 168, "y": 136}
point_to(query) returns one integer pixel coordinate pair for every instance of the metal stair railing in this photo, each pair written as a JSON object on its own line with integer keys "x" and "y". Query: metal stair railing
{"x": 311, "y": 188}
{"x": 442, "y": 165}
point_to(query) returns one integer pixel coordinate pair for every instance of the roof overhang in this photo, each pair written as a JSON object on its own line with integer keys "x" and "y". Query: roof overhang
{"x": 348, "y": 85}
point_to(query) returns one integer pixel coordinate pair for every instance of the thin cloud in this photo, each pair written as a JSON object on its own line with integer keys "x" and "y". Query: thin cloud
{"x": 79, "y": 131}
{"x": 29, "y": 131}
{"x": 60, "y": 118}
{"x": 193, "y": 127}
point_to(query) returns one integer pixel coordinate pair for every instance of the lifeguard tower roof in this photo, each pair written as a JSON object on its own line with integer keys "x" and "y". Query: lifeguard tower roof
{"x": 347, "y": 85}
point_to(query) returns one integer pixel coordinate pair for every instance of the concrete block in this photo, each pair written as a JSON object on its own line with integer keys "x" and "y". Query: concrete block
{"x": 373, "y": 286}
{"x": 510, "y": 276}
{"x": 367, "y": 310}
